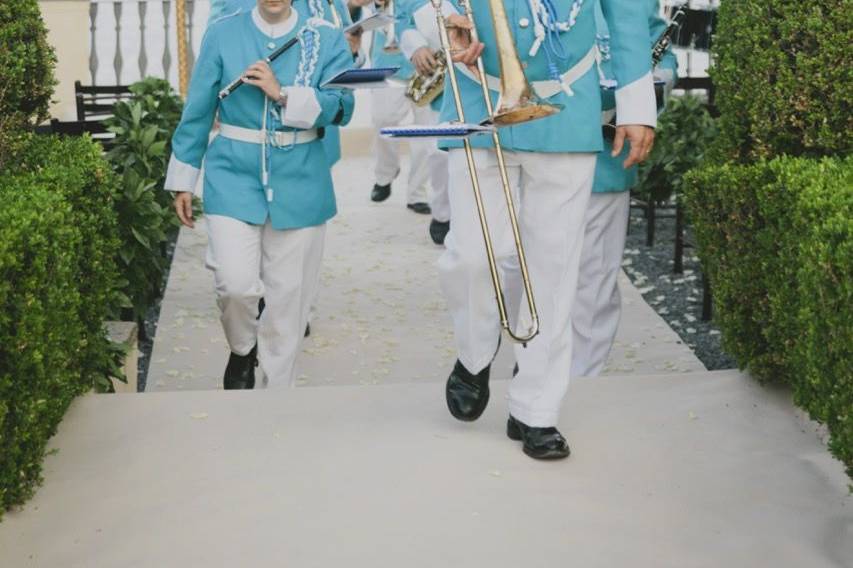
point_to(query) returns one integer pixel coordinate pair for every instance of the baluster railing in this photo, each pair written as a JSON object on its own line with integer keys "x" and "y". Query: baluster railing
{"x": 143, "y": 55}
{"x": 118, "y": 61}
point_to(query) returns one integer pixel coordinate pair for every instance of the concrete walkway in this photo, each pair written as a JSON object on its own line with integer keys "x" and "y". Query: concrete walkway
{"x": 700, "y": 470}
{"x": 380, "y": 315}
{"x": 672, "y": 466}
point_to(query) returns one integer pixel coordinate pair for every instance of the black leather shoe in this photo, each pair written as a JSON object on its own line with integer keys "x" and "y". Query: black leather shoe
{"x": 240, "y": 372}
{"x": 539, "y": 443}
{"x": 438, "y": 231}
{"x": 467, "y": 394}
{"x": 420, "y": 208}
{"x": 380, "y": 192}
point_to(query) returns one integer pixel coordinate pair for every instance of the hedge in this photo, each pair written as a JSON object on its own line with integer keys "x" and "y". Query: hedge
{"x": 58, "y": 244}
{"x": 26, "y": 64}
{"x": 782, "y": 77}
{"x": 776, "y": 239}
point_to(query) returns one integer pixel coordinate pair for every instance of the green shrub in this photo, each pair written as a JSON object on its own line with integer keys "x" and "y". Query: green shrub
{"x": 76, "y": 168}
{"x": 26, "y": 65}
{"x": 776, "y": 239}
{"x": 143, "y": 128}
{"x": 58, "y": 244}
{"x": 782, "y": 73}
{"x": 684, "y": 132}
{"x": 40, "y": 327}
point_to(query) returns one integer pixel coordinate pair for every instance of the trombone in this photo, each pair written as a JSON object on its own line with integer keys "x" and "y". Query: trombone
{"x": 517, "y": 103}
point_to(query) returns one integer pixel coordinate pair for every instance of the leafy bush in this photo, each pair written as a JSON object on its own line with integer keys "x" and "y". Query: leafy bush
{"x": 782, "y": 77}
{"x": 776, "y": 239}
{"x": 143, "y": 128}
{"x": 40, "y": 328}
{"x": 26, "y": 65}
{"x": 685, "y": 131}
{"x": 58, "y": 243}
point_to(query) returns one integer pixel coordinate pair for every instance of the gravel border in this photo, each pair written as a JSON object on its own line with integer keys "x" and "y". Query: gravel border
{"x": 677, "y": 298}
{"x": 146, "y": 344}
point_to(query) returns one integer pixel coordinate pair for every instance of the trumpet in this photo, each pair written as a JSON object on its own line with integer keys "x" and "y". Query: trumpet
{"x": 423, "y": 89}
{"x": 517, "y": 103}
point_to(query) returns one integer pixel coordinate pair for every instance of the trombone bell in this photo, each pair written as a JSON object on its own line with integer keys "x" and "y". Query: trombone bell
{"x": 517, "y": 102}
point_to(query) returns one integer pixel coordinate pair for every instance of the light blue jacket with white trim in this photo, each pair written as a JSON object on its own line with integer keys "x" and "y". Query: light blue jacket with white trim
{"x": 302, "y": 194}
{"x": 610, "y": 176}
{"x": 221, "y": 8}
{"x": 577, "y": 128}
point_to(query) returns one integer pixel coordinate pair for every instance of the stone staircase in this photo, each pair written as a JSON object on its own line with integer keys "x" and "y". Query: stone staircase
{"x": 362, "y": 466}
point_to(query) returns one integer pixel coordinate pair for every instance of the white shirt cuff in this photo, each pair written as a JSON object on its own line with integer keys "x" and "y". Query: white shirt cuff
{"x": 635, "y": 103}
{"x": 180, "y": 176}
{"x": 410, "y": 42}
{"x": 301, "y": 108}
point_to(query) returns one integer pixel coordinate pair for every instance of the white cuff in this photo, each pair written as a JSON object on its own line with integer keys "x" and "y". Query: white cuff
{"x": 410, "y": 42}
{"x": 635, "y": 103}
{"x": 180, "y": 176}
{"x": 301, "y": 108}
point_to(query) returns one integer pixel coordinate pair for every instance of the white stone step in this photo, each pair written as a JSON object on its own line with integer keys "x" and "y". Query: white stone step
{"x": 697, "y": 470}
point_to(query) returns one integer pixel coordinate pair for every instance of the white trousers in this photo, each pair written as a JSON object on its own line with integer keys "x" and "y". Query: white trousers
{"x": 390, "y": 107}
{"x": 283, "y": 267}
{"x": 552, "y": 192}
{"x": 598, "y": 303}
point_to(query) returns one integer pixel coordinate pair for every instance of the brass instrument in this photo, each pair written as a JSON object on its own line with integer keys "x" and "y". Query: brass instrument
{"x": 423, "y": 89}
{"x": 517, "y": 103}
{"x": 336, "y": 18}
{"x": 391, "y": 44}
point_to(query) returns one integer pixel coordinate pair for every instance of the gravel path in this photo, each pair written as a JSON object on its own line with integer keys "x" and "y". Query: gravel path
{"x": 677, "y": 298}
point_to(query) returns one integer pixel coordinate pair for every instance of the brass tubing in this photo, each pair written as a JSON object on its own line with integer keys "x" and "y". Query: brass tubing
{"x": 510, "y": 204}
{"x": 475, "y": 184}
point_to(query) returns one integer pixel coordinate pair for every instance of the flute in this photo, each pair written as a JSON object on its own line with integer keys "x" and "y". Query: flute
{"x": 233, "y": 85}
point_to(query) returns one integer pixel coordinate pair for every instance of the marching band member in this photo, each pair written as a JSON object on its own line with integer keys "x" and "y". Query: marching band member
{"x": 419, "y": 43}
{"x": 324, "y": 9}
{"x": 551, "y": 163}
{"x": 267, "y": 186}
{"x": 390, "y": 107}
{"x": 598, "y": 304}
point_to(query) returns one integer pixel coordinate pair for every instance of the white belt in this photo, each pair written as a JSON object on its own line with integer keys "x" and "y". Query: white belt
{"x": 544, "y": 89}
{"x": 259, "y": 136}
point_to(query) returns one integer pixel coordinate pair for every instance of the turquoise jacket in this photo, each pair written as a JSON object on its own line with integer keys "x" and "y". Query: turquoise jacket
{"x": 299, "y": 174}
{"x": 577, "y": 128}
{"x": 316, "y": 8}
{"x": 610, "y": 176}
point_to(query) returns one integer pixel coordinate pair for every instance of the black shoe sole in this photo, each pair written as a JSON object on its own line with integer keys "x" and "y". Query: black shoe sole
{"x": 467, "y": 417}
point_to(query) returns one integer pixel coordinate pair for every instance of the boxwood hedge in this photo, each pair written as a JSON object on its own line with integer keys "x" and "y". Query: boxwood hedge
{"x": 776, "y": 239}
{"x": 782, "y": 77}
{"x": 58, "y": 243}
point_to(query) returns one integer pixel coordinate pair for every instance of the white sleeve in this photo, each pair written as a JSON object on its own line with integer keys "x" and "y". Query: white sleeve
{"x": 301, "y": 109}
{"x": 411, "y": 41}
{"x": 180, "y": 176}
{"x": 635, "y": 103}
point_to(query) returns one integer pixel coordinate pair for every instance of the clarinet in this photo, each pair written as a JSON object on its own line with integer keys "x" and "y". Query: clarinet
{"x": 233, "y": 85}
{"x": 665, "y": 39}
